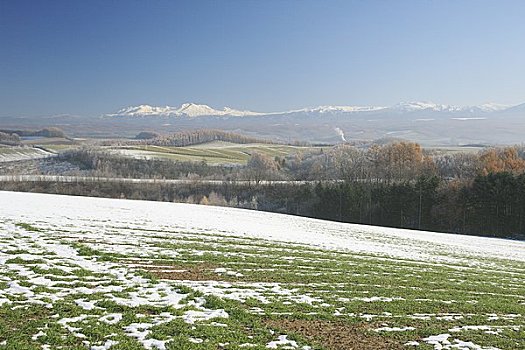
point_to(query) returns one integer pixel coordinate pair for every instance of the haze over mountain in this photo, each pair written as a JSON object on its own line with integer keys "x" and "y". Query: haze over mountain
{"x": 200, "y": 110}
{"x": 428, "y": 123}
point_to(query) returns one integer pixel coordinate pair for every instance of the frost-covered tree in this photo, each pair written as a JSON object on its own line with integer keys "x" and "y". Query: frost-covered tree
{"x": 261, "y": 167}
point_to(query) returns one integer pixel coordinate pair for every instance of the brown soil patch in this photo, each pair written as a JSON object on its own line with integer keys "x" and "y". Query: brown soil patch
{"x": 336, "y": 335}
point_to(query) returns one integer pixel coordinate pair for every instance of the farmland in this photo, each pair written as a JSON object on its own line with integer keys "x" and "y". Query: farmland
{"x": 91, "y": 273}
{"x": 9, "y": 154}
{"x": 212, "y": 152}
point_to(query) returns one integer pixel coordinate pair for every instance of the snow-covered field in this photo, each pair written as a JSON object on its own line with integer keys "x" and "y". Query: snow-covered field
{"x": 94, "y": 273}
{"x": 11, "y": 154}
{"x": 216, "y": 152}
{"x": 399, "y": 243}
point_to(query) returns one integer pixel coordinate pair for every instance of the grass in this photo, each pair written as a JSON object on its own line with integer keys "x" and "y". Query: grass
{"x": 56, "y": 148}
{"x": 27, "y": 227}
{"x": 317, "y": 298}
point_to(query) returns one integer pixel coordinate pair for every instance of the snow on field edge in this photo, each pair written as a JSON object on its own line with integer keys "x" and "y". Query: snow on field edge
{"x": 398, "y": 243}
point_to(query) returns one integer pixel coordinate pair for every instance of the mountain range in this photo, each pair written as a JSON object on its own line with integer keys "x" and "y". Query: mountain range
{"x": 425, "y": 122}
{"x": 185, "y": 110}
{"x": 191, "y": 110}
{"x": 428, "y": 123}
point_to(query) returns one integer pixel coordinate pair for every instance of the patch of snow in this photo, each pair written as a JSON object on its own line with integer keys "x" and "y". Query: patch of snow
{"x": 192, "y": 316}
{"x": 86, "y": 305}
{"x": 111, "y": 318}
{"x": 38, "y": 335}
{"x": 412, "y": 343}
{"x": 394, "y": 329}
{"x": 442, "y": 342}
{"x": 108, "y": 344}
{"x": 282, "y": 340}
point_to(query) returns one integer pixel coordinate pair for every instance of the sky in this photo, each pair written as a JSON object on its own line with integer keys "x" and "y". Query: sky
{"x": 94, "y": 57}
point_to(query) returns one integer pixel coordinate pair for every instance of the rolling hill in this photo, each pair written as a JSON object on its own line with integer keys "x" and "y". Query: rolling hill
{"x": 81, "y": 272}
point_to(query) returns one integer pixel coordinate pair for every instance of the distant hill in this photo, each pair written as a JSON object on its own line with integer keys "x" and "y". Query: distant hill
{"x": 46, "y": 132}
{"x": 187, "y": 138}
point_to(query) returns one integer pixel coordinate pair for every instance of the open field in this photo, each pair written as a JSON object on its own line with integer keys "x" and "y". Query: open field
{"x": 444, "y": 150}
{"x": 213, "y": 152}
{"x": 14, "y": 153}
{"x": 88, "y": 273}
{"x": 52, "y": 144}
{"x": 42, "y": 141}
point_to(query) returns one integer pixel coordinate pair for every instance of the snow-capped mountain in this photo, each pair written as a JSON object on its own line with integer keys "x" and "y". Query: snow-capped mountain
{"x": 142, "y": 110}
{"x": 192, "y": 110}
{"x": 185, "y": 110}
{"x": 196, "y": 110}
{"x": 516, "y": 109}
{"x": 402, "y": 108}
{"x": 433, "y": 107}
{"x": 337, "y": 109}
{"x": 423, "y": 106}
{"x": 492, "y": 107}
{"x": 426, "y": 122}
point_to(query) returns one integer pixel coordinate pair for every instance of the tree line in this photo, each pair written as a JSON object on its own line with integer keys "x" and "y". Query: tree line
{"x": 11, "y": 139}
{"x": 186, "y": 138}
{"x": 45, "y": 132}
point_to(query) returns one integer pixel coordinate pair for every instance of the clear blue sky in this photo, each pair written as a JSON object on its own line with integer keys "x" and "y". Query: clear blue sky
{"x": 92, "y": 57}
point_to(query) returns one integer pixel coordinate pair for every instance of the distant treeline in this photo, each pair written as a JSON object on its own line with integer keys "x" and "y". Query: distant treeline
{"x": 9, "y": 139}
{"x": 188, "y": 138}
{"x": 46, "y": 132}
{"x": 492, "y": 205}
{"x": 113, "y": 165}
{"x": 203, "y": 136}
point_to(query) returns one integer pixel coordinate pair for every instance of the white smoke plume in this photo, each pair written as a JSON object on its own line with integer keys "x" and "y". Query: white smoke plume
{"x": 340, "y": 133}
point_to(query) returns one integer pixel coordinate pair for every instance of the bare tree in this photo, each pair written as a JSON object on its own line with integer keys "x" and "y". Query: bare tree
{"x": 261, "y": 167}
